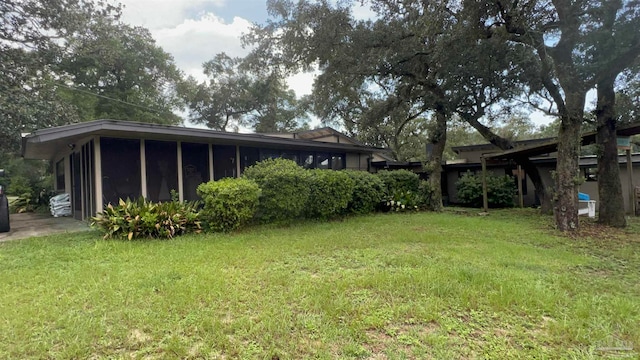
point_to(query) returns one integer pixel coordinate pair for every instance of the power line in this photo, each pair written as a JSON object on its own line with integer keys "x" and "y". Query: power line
{"x": 156, "y": 112}
{"x": 106, "y": 97}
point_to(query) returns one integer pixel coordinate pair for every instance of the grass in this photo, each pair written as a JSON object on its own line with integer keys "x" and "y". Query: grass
{"x": 407, "y": 286}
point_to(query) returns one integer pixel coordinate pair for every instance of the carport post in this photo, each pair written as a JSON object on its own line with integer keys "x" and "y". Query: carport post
{"x": 632, "y": 200}
{"x": 485, "y": 200}
{"x": 520, "y": 195}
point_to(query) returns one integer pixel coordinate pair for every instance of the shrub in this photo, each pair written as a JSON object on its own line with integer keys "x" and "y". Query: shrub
{"x": 404, "y": 201}
{"x": 425, "y": 193}
{"x": 500, "y": 190}
{"x": 135, "y": 219}
{"x": 228, "y": 203}
{"x": 329, "y": 193}
{"x": 400, "y": 181}
{"x": 284, "y": 186}
{"x": 368, "y": 192}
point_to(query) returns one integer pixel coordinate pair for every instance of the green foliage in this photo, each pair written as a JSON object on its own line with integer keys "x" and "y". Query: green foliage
{"x": 500, "y": 190}
{"x": 400, "y": 181}
{"x": 20, "y": 185}
{"x": 285, "y": 189}
{"x": 228, "y": 203}
{"x": 330, "y": 193}
{"x": 240, "y": 93}
{"x": 368, "y": 192}
{"x": 29, "y": 181}
{"x": 139, "y": 219}
{"x": 425, "y": 192}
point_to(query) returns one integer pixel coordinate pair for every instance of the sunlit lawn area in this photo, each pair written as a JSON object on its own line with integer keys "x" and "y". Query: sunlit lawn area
{"x": 405, "y": 286}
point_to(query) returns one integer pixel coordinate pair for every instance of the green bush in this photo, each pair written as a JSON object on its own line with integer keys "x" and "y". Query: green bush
{"x": 425, "y": 193}
{"x": 500, "y": 190}
{"x": 138, "y": 219}
{"x": 285, "y": 189}
{"x": 329, "y": 193}
{"x": 403, "y": 200}
{"x": 21, "y": 186}
{"x": 397, "y": 181}
{"x": 368, "y": 192}
{"x": 228, "y": 203}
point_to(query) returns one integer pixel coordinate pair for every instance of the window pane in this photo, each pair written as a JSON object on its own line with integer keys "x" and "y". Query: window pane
{"x": 337, "y": 162}
{"x": 60, "y": 175}
{"x": 306, "y": 160}
{"x": 224, "y": 161}
{"x": 323, "y": 161}
{"x": 248, "y": 157}
{"x": 120, "y": 169}
{"x": 195, "y": 168}
{"x": 162, "y": 169}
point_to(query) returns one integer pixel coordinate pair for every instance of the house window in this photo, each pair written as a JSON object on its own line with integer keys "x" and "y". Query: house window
{"x": 60, "y": 175}
{"x": 590, "y": 174}
{"x": 337, "y": 162}
{"x": 224, "y": 161}
{"x": 249, "y": 156}
{"x": 120, "y": 169}
{"x": 307, "y": 160}
{"x": 323, "y": 161}
{"x": 195, "y": 168}
{"x": 162, "y": 169}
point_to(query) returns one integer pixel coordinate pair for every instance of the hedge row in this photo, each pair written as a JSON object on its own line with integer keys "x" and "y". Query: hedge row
{"x": 288, "y": 192}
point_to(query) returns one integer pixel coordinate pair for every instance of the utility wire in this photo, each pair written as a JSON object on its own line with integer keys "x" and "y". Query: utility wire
{"x": 157, "y": 112}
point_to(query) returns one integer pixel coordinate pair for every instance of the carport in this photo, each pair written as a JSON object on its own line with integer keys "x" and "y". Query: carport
{"x": 551, "y": 146}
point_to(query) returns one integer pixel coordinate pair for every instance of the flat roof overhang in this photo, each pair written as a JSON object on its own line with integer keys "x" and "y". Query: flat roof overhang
{"x": 47, "y": 143}
{"x": 552, "y": 145}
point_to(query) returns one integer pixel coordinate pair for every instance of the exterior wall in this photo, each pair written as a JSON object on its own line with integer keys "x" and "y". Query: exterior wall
{"x": 591, "y": 187}
{"x": 331, "y": 139}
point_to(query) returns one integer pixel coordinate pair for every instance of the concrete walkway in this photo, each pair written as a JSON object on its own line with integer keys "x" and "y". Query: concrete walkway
{"x": 31, "y": 224}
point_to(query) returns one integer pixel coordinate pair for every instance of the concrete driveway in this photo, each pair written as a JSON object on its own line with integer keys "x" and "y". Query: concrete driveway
{"x": 31, "y": 224}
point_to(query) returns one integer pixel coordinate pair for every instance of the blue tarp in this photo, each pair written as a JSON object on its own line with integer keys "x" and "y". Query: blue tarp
{"x": 583, "y": 197}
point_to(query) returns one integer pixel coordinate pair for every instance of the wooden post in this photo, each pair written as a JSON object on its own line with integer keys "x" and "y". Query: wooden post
{"x": 237, "y": 161}
{"x": 632, "y": 200}
{"x": 97, "y": 173}
{"x": 180, "y": 171}
{"x": 485, "y": 199}
{"x": 211, "y": 162}
{"x": 143, "y": 169}
{"x": 520, "y": 195}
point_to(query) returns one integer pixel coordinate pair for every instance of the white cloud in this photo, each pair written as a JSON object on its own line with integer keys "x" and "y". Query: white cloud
{"x": 302, "y": 83}
{"x": 196, "y": 41}
{"x": 160, "y": 14}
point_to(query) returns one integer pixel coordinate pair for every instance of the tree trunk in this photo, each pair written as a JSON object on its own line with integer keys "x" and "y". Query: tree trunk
{"x": 565, "y": 208}
{"x": 438, "y": 138}
{"x": 611, "y": 210}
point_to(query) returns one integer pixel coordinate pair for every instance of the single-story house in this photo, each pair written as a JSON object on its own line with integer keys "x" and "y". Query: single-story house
{"x": 100, "y": 161}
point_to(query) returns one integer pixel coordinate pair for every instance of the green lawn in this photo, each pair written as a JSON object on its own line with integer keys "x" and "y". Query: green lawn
{"x": 404, "y": 286}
